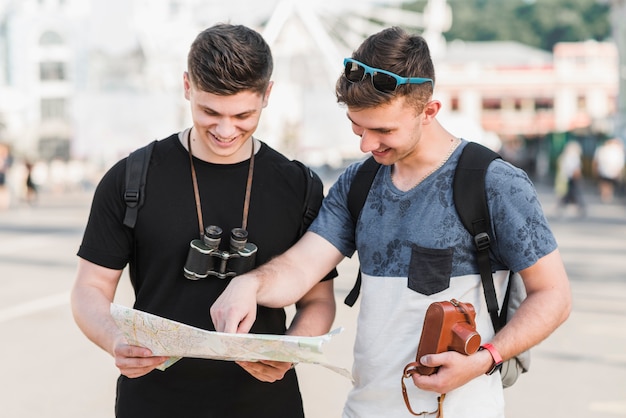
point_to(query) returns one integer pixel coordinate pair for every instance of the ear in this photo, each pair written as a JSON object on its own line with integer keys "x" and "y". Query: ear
{"x": 431, "y": 109}
{"x": 186, "y": 84}
{"x": 266, "y": 96}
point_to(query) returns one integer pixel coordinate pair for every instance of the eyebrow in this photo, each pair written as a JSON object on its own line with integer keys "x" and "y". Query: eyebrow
{"x": 379, "y": 129}
{"x": 244, "y": 113}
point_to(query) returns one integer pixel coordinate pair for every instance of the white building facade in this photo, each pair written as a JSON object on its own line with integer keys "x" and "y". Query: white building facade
{"x": 95, "y": 79}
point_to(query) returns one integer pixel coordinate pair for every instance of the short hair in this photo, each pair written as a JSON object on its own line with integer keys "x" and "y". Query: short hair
{"x": 392, "y": 49}
{"x": 227, "y": 59}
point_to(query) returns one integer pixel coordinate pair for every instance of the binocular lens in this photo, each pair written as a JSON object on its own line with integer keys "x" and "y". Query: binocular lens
{"x": 238, "y": 239}
{"x": 212, "y": 236}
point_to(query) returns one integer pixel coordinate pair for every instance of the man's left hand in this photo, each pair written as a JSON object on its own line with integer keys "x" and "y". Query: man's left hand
{"x": 266, "y": 370}
{"x": 454, "y": 371}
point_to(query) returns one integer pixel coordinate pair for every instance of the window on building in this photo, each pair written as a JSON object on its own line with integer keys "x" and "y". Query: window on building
{"x": 492, "y": 103}
{"x": 51, "y": 71}
{"x": 581, "y": 102}
{"x": 454, "y": 103}
{"x": 53, "y": 108}
{"x": 51, "y": 148}
{"x": 50, "y": 38}
{"x": 544, "y": 103}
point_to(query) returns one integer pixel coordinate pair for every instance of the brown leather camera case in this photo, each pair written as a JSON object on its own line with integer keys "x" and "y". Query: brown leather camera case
{"x": 448, "y": 326}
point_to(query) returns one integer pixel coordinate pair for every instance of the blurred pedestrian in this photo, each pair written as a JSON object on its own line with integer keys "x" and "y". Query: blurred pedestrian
{"x": 569, "y": 177}
{"x": 608, "y": 166}
{"x": 5, "y": 164}
{"x": 31, "y": 187}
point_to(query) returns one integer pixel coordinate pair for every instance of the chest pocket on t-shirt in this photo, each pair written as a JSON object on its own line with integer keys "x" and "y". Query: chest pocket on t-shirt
{"x": 430, "y": 269}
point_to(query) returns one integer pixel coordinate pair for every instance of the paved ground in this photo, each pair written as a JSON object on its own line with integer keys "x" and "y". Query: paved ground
{"x": 50, "y": 370}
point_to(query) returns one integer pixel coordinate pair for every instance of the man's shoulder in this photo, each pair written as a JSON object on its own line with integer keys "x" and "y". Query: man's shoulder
{"x": 166, "y": 145}
{"x": 363, "y": 168}
{"x": 157, "y": 147}
{"x": 292, "y": 169}
{"x": 160, "y": 150}
{"x": 500, "y": 171}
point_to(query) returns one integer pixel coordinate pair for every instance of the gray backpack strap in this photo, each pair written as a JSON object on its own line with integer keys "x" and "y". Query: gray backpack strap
{"x": 136, "y": 173}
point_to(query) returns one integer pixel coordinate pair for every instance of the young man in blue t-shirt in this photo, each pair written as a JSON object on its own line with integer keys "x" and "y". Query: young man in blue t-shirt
{"x": 413, "y": 248}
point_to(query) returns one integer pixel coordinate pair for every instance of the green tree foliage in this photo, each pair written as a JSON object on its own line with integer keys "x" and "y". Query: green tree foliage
{"x": 538, "y": 23}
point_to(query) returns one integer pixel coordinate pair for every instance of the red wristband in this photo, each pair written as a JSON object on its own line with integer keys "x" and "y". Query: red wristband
{"x": 497, "y": 358}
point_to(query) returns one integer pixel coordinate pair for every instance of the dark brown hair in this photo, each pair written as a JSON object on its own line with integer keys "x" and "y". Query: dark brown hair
{"x": 227, "y": 59}
{"x": 395, "y": 50}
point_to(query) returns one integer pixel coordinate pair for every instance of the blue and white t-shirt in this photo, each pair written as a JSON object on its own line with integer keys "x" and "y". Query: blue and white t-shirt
{"x": 413, "y": 251}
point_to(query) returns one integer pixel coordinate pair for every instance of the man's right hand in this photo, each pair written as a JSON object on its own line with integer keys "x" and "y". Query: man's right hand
{"x": 235, "y": 310}
{"x": 134, "y": 361}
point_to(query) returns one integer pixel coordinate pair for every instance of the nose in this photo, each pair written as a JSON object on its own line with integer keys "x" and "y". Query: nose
{"x": 368, "y": 142}
{"x": 225, "y": 128}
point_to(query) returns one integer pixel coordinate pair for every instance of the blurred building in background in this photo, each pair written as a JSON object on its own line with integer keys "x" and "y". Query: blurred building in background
{"x": 90, "y": 80}
{"x": 526, "y": 96}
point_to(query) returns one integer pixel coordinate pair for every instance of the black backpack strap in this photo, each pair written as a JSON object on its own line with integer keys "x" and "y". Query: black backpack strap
{"x": 359, "y": 189}
{"x": 136, "y": 173}
{"x": 314, "y": 193}
{"x": 470, "y": 201}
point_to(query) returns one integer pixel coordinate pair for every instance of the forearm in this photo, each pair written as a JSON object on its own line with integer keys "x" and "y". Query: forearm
{"x": 315, "y": 312}
{"x": 91, "y": 312}
{"x": 91, "y": 298}
{"x": 534, "y": 321}
{"x": 546, "y": 307}
{"x": 285, "y": 279}
{"x": 275, "y": 287}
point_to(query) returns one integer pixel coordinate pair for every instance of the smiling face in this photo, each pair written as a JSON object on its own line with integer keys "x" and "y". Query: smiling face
{"x": 391, "y": 132}
{"x": 223, "y": 125}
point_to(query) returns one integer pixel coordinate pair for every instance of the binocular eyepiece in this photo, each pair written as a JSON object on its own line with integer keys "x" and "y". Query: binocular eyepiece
{"x": 205, "y": 259}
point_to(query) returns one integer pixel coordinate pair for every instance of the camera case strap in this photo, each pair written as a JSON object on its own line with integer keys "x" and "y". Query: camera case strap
{"x": 448, "y": 326}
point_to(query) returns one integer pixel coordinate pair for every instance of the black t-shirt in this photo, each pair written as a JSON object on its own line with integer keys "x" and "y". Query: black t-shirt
{"x": 156, "y": 251}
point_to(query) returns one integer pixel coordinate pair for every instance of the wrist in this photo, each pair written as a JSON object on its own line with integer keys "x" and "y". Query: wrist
{"x": 495, "y": 357}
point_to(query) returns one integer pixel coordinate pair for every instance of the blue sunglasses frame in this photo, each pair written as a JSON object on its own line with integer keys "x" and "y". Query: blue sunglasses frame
{"x": 375, "y": 71}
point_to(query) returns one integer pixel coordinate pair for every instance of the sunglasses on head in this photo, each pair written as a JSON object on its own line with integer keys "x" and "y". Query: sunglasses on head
{"x": 382, "y": 80}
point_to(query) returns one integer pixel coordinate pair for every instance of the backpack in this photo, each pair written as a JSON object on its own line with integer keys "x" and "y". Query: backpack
{"x": 137, "y": 171}
{"x": 470, "y": 201}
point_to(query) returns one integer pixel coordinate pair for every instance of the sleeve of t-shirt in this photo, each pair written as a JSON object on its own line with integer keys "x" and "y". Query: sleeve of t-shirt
{"x": 333, "y": 223}
{"x": 522, "y": 232}
{"x": 106, "y": 241}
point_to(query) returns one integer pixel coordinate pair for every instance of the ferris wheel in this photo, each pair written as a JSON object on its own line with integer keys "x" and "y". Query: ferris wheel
{"x": 344, "y": 25}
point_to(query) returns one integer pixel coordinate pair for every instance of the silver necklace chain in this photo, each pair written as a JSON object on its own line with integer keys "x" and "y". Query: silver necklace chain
{"x": 453, "y": 146}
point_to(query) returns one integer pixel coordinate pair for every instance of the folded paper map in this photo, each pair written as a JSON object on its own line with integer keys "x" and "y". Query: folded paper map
{"x": 165, "y": 337}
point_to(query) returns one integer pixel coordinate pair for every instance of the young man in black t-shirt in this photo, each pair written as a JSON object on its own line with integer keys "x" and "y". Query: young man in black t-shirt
{"x": 197, "y": 178}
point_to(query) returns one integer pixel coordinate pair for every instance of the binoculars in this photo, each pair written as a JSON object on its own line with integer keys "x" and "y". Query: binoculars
{"x": 205, "y": 259}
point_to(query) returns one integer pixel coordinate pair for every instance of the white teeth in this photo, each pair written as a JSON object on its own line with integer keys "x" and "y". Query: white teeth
{"x": 223, "y": 140}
